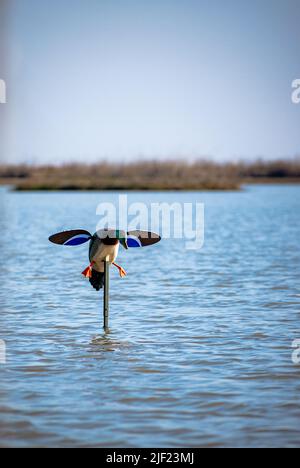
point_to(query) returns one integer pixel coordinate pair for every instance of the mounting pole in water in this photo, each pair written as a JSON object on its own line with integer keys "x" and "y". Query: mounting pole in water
{"x": 106, "y": 294}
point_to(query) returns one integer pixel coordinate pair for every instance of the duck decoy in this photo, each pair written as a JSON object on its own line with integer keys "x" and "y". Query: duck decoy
{"x": 104, "y": 247}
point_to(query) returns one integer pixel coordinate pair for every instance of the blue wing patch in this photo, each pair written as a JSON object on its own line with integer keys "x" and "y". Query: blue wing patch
{"x": 77, "y": 240}
{"x": 133, "y": 242}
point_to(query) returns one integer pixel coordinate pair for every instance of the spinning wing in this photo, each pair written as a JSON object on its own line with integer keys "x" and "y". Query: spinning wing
{"x": 141, "y": 239}
{"x": 71, "y": 238}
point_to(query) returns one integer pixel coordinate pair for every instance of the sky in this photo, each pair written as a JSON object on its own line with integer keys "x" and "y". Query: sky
{"x": 127, "y": 79}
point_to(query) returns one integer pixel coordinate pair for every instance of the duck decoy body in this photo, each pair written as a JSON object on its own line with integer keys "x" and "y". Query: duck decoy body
{"x": 104, "y": 245}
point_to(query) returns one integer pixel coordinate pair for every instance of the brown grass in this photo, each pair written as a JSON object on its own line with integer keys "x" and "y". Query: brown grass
{"x": 150, "y": 175}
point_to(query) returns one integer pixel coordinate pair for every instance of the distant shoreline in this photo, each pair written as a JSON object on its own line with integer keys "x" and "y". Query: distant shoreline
{"x": 150, "y": 176}
{"x": 14, "y": 187}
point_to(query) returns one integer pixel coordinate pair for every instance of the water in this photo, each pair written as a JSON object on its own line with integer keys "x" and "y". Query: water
{"x": 199, "y": 352}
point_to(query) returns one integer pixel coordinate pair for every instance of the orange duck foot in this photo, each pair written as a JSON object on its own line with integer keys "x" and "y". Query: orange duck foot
{"x": 87, "y": 273}
{"x": 121, "y": 270}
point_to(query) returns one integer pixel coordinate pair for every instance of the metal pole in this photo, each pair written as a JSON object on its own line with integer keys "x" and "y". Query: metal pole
{"x": 106, "y": 294}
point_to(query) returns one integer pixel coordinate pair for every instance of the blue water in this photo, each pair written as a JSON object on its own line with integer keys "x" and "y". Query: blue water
{"x": 200, "y": 347}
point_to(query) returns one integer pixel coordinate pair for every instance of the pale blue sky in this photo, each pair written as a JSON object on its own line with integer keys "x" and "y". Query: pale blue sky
{"x": 118, "y": 79}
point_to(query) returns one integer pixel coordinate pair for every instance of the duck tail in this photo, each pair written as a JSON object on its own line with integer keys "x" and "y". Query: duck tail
{"x": 97, "y": 280}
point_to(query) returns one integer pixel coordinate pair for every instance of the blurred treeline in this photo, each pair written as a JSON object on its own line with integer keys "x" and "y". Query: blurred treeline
{"x": 149, "y": 175}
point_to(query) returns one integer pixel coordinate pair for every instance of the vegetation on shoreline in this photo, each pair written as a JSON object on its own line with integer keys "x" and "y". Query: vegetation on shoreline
{"x": 150, "y": 175}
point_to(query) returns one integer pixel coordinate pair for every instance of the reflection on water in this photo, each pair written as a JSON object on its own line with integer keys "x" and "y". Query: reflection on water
{"x": 199, "y": 350}
{"x": 105, "y": 342}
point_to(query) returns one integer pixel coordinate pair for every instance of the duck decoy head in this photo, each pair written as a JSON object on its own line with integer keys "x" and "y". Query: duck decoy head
{"x": 112, "y": 237}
